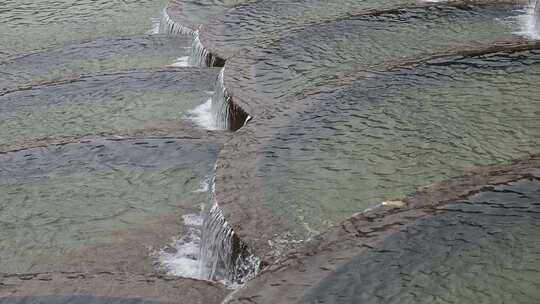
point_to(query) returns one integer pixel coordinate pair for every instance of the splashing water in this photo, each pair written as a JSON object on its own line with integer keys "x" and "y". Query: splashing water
{"x": 224, "y": 256}
{"x": 202, "y": 116}
{"x": 199, "y": 54}
{"x": 170, "y": 27}
{"x": 226, "y": 115}
{"x": 210, "y": 250}
{"x": 529, "y": 22}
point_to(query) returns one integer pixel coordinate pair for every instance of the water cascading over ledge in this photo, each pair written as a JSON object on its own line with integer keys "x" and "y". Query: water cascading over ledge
{"x": 223, "y": 255}
{"x": 170, "y": 27}
{"x": 200, "y": 56}
{"x": 226, "y": 114}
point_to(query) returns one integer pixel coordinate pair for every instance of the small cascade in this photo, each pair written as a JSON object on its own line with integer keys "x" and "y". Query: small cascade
{"x": 200, "y": 55}
{"x": 224, "y": 257}
{"x": 210, "y": 250}
{"x": 226, "y": 114}
{"x": 170, "y": 27}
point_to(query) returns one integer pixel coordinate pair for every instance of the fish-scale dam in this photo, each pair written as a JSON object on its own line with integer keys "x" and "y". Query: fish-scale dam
{"x": 269, "y": 151}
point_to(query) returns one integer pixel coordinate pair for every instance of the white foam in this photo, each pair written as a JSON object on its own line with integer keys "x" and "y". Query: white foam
{"x": 181, "y": 257}
{"x": 192, "y": 220}
{"x": 205, "y": 185}
{"x": 527, "y": 23}
{"x": 202, "y": 116}
{"x": 181, "y": 62}
{"x": 156, "y": 23}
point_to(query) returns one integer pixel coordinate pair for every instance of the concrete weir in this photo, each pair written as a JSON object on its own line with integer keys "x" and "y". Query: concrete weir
{"x": 401, "y": 244}
{"x": 227, "y": 115}
{"x": 170, "y": 27}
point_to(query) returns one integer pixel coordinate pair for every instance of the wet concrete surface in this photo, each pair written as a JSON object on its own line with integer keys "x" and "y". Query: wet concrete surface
{"x": 239, "y": 177}
{"x": 472, "y": 238}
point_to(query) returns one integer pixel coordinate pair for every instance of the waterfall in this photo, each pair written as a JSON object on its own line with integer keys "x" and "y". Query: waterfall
{"x": 170, "y": 27}
{"x": 224, "y": 257}
{"x": 226, "y": 115}
{"x": 210, "y": 250}
{"x": 201, "y": 57}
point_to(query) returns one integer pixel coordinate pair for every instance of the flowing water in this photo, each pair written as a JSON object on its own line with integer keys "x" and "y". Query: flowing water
{"x": 382, "y": 137}
{"x": 100, "y": 158}
{"x": 484, "y": 249}
{"x": 64, "y": 200}
{"x": 116, "y": 150}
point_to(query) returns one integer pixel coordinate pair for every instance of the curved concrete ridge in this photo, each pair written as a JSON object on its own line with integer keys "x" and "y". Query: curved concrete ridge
{"x": 238, "y": 188}
{"x": 303, "y": 267}
{"x": 150, "y": 287}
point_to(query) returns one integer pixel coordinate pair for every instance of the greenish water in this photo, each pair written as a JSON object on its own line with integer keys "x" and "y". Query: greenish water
{"x": 115, "y": 104}
{"x": 62, "y": 199}
{"x": 483, "y": 249}
{"x": 383, "y": 137}
{"x": 30, "y": 25}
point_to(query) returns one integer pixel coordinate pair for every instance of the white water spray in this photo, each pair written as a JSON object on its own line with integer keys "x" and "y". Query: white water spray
{"x": 210, "y": 250}
{"x": 199, "y": 54}
{"x": 529, "y": 21}
{"x": 224, "y": 256}
{"x": 170, "y": 27}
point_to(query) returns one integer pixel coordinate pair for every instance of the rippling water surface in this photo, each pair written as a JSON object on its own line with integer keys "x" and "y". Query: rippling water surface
{"x": 63, "y": 200}
{"x": 121, "y": 103}
{"x": 95, "y": 69}
{"x": 348, "y": 104}
{"x": 382, "y": 137}
{"x": 29, "y": 25}
{"x": 484, "y": 249}
{"x": 304, "y": 59}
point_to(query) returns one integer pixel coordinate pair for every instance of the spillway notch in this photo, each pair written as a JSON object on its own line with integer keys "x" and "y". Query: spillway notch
{"x": 224, "y": 256}
{"x": 226, "y": 114}
{"x": 201, "y": 56}
{"x": 170, "y": 27}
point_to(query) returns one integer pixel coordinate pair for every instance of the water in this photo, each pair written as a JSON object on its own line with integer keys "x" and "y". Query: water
{"x": 536, "y": 17}
{"x": 290, "y": 67}
{"x": 483, "y": 249}
{"x": 33, "y": 25}
{"x": 112, "y": 113}
{"x": 86, "y": 201}
{"x": 119, "y": 103}
{"x": 100, "y": 157}
{"x": 101, "y": 56}
{"x": 381, "y": 137}
{"x": 210, "y": 250}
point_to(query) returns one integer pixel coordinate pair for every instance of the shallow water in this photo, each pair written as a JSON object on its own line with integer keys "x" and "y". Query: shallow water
{"x": 30, "y": 25}
{"x": 65, "y": 198}
{"x": 343, "y": 114}
{"x": 99, "y": 56}
{"x": 122, "y": 103}
{"x": 95, "y": 69}
{"x": 305, "y": 59}
{"x": 257, "y": 23}
{"x": 483, "y": 249}
{"x": 382, "y": 137}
